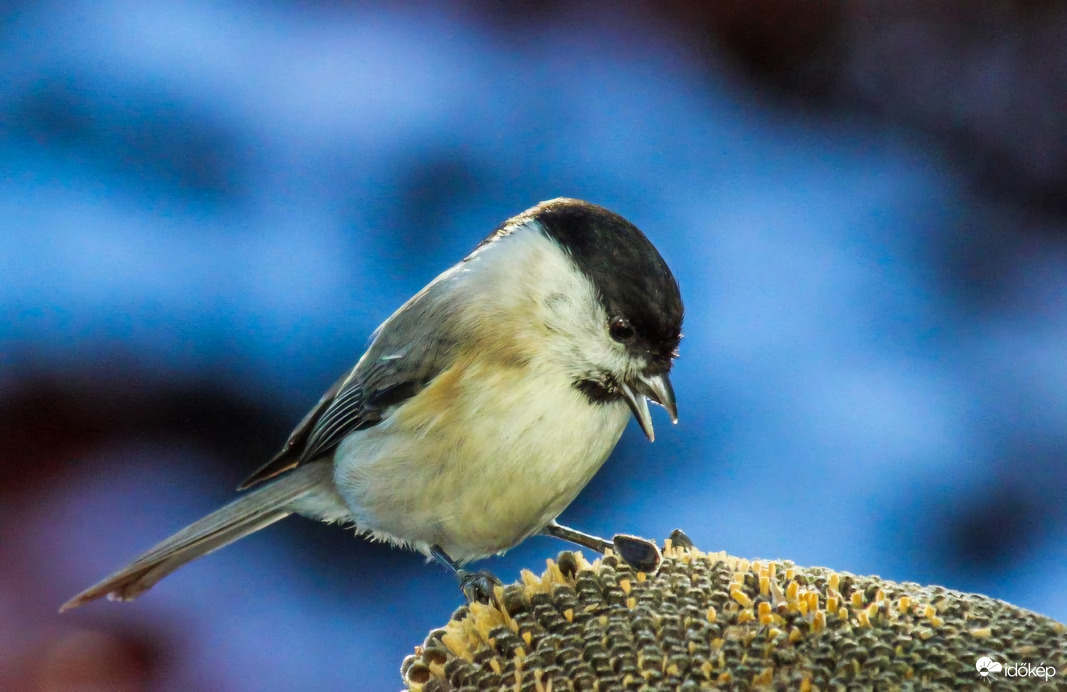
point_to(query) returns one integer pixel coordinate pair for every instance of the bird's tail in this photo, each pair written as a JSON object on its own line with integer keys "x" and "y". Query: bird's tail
{"x": 248, "y": 514}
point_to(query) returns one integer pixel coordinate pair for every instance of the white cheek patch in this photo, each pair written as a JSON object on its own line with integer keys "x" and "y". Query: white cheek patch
{"x": 550, "y": 306}
{"x": 557, "y": 303}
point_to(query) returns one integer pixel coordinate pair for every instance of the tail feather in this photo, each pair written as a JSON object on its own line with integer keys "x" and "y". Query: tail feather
{"x": 250, "y": 513}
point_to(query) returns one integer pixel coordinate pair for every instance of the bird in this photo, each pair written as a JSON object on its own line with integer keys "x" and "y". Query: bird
{"x": 481, "y": 407}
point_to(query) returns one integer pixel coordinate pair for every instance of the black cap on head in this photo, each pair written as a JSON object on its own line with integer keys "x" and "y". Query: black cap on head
{"x": 633, "y": 280}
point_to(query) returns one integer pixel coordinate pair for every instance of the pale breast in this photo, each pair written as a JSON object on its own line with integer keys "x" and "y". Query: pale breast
{"x": 485, "y": 456}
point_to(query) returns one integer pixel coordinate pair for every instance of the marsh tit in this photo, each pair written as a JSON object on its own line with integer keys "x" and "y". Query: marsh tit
{"x": 482, "y": 406}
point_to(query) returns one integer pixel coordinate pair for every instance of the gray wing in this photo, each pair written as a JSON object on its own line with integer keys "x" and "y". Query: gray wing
{"x": 406, "y": 354}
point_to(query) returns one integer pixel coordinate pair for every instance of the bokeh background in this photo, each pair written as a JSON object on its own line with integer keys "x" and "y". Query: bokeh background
{"x": 206, "y": 207}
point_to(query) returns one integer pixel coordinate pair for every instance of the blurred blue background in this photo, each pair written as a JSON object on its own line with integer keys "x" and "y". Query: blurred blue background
{"x": 207, "y": 207}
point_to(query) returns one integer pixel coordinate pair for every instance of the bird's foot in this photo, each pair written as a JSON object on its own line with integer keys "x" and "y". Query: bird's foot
{"x": 478, "y": 586}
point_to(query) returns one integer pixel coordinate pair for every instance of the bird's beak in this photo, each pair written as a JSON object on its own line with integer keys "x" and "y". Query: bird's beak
{"x": 658, "y": 389}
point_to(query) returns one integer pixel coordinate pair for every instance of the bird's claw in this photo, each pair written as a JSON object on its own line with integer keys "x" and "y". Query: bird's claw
{"x": 478, "y": 586}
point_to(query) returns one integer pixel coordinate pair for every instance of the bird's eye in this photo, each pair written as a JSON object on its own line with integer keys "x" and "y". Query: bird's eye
{"x": 621, "y": 330}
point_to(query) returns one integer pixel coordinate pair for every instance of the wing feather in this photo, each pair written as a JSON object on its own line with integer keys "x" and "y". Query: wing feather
{"x": 404, "y": 357}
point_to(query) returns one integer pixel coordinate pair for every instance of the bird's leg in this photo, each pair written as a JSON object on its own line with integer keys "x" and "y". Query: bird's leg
{"x": 577, "y": 537}
{"x": 639, "y": 553}
{"x": 476, "y": 586}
